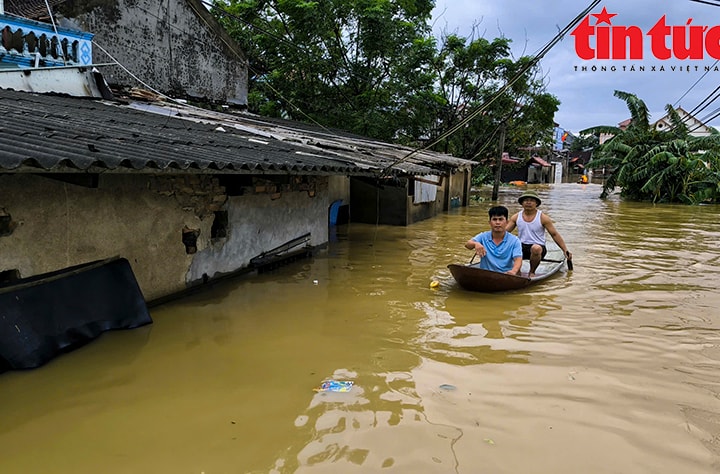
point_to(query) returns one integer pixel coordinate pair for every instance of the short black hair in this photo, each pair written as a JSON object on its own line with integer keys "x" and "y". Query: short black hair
{"x": 498, "y": 211}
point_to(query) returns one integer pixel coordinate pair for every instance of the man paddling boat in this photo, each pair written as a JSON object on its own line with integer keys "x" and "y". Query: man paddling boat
{"x": 500, "y": 251}
{"x": 531, "y": 224}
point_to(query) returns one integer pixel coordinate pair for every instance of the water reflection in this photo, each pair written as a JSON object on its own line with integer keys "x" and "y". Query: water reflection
{"x": 619, "y": 356}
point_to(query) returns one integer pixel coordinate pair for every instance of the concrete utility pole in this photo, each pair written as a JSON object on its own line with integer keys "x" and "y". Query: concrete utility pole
{"x": 498, "y": 167}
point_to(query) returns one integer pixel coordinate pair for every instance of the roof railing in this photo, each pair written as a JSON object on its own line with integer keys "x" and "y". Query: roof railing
{"x": 31, "y": 44}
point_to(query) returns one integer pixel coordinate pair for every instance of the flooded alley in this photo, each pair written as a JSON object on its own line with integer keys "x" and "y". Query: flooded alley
{"x": 609, "y": 368}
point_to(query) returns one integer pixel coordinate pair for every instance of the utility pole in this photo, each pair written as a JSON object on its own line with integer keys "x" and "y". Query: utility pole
{"x": 498, "y": 166}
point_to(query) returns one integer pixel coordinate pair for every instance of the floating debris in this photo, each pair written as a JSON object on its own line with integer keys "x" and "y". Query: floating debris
{"x": 335, "y": 386}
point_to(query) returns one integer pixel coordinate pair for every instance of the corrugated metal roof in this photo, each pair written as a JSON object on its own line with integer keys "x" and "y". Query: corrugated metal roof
{"x": 57, "y": 133}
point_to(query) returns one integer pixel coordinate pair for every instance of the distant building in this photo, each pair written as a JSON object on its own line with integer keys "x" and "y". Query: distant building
{"x": 695, "y": 126}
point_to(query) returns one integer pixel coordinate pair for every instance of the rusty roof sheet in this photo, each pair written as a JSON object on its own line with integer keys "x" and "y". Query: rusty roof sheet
{"x": 34, "y": 9}
{"x": 58, "y": 133}
{"x": 540, "y": 161}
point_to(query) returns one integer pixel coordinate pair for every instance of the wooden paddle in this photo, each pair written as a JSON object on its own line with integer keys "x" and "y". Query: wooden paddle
{"x": 567, "y": 260}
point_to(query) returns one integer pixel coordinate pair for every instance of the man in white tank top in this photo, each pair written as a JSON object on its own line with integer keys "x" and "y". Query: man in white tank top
{"x": 531, "y": 224}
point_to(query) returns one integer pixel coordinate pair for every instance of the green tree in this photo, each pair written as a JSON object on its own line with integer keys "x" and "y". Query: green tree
{"x": 470, "y": 73}
{"x": 585, "y": 142}
{"x": 658, "y": 166}
{"x": 355, "y": 64}
{"x": 372, "y": 67}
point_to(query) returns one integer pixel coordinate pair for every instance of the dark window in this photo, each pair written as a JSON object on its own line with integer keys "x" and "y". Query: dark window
{"x": 9, "y": 276}
{"x": 219, "y": 227}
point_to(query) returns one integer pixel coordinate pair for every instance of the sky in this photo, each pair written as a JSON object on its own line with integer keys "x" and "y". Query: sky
{"x": 587, "y": 96}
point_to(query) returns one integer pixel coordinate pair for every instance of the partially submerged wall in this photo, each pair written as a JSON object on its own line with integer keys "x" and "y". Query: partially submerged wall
{"x": 260, "y": 222}
{"x": 47, "y": 224}
{"x": 396, "y": 203}
{"x": 459, "y": 188}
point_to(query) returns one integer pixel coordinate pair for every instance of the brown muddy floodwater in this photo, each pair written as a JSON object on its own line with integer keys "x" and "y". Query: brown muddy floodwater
{"x": 611, "y": 368}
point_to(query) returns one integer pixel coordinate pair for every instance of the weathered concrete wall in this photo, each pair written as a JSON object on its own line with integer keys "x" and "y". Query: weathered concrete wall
{"x": 425, "y": 210}
{"x": 339, "y": 188}
{"x": 393, "y": 203}
{"x": 60, "y": 224}
{"x": 55, "y": 224}
{"x": 459, "y": 186}
{"x": 175, "y": 47}
{"x": 260, "y": 222}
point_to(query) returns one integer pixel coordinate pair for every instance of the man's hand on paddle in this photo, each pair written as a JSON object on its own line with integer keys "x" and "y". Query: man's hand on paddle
{"x": 477, "y": 246}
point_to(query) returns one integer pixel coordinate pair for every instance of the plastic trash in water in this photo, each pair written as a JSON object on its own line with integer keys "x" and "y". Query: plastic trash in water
{"x": 335, "y": 386}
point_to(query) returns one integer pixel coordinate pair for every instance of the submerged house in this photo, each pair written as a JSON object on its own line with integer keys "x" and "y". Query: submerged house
{"x": 186, "y": 195}
{"x": 532, "y": 170}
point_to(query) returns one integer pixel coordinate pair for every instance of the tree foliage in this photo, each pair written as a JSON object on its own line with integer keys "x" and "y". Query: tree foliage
{"x": 357, "y": 64}
{"x": 470, "y": 73}
{"x": 585, "y": 141}
{"x": 372, "y": 67}
{"x": 659, "y": 166}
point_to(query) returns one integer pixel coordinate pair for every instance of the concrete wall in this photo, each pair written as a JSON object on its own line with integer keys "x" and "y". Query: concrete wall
{"x": 541, "y": 174}
{"x": 174, "y": 46}
{"x": 397, "y": 207}
{"x": 56, "y": 224}
{"x": 459, "y": 186}
{"x": 393, "y": 202}
{"x": 258, "y": 223}
{"x": 339, "y": 188}
{"x": 425, "y": 210}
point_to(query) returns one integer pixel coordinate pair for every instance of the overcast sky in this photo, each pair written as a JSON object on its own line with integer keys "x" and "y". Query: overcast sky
{"x": 587, "y": 97}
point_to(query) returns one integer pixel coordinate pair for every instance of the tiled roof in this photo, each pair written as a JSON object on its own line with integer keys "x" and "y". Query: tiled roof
{"x": 58, "y": 133}
{"x": 540, "y": 161}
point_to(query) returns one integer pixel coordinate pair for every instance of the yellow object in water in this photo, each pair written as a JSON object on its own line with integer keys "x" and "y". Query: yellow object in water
{"x": 434, "y": 284}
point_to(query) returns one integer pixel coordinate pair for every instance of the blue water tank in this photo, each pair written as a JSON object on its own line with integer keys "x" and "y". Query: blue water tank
{"x": 334, "y": 211}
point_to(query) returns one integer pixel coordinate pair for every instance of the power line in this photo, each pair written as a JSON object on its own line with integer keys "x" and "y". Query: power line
{"x": 715, "y": 3}
{"x": 502, "y": 90}
{"x": 696, "y": 82}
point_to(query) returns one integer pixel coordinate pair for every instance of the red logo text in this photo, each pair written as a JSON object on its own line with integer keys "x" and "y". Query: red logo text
{"x": 603, "y": 40}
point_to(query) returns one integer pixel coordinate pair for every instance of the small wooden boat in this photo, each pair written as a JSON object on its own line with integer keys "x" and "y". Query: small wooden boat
{"x": 472, "y": 277}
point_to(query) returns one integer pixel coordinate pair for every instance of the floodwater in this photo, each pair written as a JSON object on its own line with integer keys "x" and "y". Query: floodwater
{"x": 610, "y": 368}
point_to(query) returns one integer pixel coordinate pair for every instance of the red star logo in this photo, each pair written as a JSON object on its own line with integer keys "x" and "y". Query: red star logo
{"x": 603, "y": 16}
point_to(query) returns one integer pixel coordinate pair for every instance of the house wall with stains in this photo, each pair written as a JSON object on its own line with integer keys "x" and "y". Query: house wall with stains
{"x": 458, "y": 189}
{"x": 420, "y": 211}
{"x": 391, "y": 199}
{"x": 396, "y": 202}
{"x": 47, "y": 224}
{"x": 339, "y": 189}
{"x": 175, "y": 47}
{"x": 257, "y": 223}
